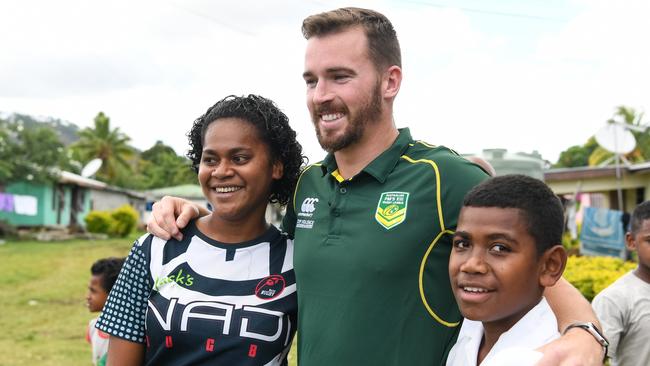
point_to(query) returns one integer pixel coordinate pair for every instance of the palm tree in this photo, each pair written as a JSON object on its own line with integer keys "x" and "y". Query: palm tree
{"x": 632, "y": 118}
{"x": 109, "y": 145}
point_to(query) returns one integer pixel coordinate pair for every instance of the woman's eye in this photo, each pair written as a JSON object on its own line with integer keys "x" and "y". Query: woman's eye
{"x": 240, "y": 159}
{"x": 208, "y": 160}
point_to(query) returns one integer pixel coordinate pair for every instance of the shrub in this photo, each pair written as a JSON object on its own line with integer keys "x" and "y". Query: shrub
{"x": 125, "y": 219}
{"x": 7, "y": 230}
{"x": 99, "y": 222}
{"x": 590, "y": 275}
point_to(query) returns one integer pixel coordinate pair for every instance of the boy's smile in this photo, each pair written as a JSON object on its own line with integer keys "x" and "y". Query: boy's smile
{"x": 493, "y": 266}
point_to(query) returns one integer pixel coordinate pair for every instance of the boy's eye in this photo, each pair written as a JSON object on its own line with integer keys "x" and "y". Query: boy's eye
{"x": 500, "y": 248}
{"x": 460, "y": 244}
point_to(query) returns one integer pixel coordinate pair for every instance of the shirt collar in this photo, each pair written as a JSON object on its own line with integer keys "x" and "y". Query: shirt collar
{"x": 383, "y": 164}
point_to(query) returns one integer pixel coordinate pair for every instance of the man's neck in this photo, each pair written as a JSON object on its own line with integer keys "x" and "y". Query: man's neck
{"x": 376, "y": 139}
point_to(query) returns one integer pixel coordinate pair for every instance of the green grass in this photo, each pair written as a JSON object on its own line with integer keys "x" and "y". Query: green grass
{"x": 43, "y": 317}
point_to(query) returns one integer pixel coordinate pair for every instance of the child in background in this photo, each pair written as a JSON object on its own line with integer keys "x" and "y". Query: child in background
{"x": 506, "y": 250}
{"x": 103, "y": 275}
{"x": 624, "y": 307}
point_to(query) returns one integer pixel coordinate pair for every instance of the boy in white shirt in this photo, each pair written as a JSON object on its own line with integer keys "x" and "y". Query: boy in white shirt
{"x": 624, "y": 307}
{"x": 506, "y": 250}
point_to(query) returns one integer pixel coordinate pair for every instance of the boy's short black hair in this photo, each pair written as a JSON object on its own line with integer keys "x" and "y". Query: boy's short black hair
{"x": 540, "y": 207}
{"x": 108, "y": 269}
{"x": 640, "y": 214}
{"x": 273, "y": 128}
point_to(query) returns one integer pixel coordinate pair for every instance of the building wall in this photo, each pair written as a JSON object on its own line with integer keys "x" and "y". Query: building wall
{"x": 635, "y": 188}
{"x": 54, "y": 204}
{"x": 110, "y": 200}
{"x": 107, "y": 200}
{"x": 43, "y": 196}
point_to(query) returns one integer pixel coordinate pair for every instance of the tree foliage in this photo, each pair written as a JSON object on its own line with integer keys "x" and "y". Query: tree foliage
{"x": 577, "y": 155}
{"x": 163, "y": 168}
{"x": 109, "y": 145}
{"x": 30, "y": 154}
{"x": 28, "y": 151}
{"x": 591, "y": 154}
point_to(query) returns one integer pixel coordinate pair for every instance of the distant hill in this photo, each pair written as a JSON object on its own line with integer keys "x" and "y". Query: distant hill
{"x": 67, "y": 131}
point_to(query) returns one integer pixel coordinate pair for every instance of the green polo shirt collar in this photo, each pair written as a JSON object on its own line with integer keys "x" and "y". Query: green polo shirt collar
{"x": 384, "y": 163}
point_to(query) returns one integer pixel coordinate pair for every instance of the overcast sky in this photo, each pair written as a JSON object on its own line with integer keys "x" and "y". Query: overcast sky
{"x": 518, "y": 74}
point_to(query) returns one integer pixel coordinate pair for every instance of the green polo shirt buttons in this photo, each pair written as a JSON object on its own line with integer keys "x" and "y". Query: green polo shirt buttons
{"x": 343, "y": 190}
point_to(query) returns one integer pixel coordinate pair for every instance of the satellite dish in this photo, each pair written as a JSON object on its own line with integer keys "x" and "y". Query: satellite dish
{"x": 91, "y": 168}
{"x": 616, "y": 138}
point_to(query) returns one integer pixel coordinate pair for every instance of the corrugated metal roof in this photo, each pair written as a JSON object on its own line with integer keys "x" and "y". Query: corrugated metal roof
{"x": 66, "y": 177}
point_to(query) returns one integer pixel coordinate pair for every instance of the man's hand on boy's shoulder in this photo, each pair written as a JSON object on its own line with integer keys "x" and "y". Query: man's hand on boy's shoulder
{"x": 575, "y": 348}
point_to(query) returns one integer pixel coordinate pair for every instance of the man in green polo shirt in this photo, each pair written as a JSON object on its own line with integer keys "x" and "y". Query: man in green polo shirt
{"x": 373, "y": 221}
{"x": 371, "y": 256}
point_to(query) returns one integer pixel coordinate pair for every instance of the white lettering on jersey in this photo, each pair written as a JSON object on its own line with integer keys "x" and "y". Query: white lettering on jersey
{"x": 187, "y": 313}
{"x": 167, "y": 323}
{"x": 244, "y": 332}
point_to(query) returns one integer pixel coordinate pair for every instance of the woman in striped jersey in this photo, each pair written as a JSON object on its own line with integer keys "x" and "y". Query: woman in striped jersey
{"x": 223, "y": 291}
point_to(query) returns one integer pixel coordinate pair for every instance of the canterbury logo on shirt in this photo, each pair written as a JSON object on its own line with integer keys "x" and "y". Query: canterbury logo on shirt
{"x": 309, "y": 205}
{"x": 306, "y": 210}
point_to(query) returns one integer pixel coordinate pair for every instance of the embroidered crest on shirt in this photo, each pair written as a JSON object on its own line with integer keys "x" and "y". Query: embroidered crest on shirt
{"x": 391, "y": 209}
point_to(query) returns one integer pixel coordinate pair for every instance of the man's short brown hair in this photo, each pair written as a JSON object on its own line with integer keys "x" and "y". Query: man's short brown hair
{"x": 383, "y": 46}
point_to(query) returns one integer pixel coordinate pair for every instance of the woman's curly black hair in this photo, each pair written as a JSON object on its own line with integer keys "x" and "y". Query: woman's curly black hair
{"x": 273, "y": 128}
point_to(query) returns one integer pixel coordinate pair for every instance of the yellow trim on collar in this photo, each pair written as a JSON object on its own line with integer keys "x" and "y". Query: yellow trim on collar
{"x": 339, "y": 178}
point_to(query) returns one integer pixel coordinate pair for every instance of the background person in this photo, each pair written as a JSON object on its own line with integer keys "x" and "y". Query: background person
{"x": 226, "y": 293}
{"x": 103, "y": 274}
{"x": 624, "y": 306}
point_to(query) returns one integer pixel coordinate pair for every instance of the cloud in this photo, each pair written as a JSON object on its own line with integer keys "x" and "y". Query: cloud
{"x": 471, "y": 80}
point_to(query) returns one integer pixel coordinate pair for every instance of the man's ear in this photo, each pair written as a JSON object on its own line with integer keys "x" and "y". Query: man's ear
{"x": 392, "y": 81}
{"x": 629, "y": 241}
{"x": 278, "y": 170}
{"x": 552, "y": 265}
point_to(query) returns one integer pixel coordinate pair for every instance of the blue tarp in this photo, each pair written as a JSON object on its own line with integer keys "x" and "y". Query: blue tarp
{"x": 602, "y": 232}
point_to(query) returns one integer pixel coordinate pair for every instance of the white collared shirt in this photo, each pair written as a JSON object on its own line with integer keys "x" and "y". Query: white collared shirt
{"x": 514, "y": 347}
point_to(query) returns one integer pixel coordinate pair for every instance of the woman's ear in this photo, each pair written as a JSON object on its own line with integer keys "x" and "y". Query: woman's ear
{"x": 552, "y": 265}
{"x": 278, "y": 170}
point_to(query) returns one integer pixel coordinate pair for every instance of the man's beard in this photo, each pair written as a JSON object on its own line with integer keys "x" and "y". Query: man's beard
{"x": 367, "y": 114}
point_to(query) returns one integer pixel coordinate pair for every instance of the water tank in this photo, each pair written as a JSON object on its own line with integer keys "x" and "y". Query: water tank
{"x": 530, "y": 164}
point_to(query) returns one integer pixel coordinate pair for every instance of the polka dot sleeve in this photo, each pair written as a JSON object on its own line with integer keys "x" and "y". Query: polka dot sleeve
{"x": 124, "y": 313}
